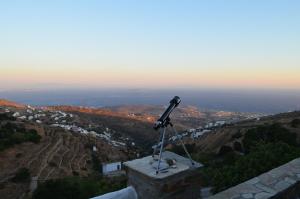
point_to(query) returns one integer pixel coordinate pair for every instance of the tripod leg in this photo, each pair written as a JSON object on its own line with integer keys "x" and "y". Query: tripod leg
{"x": 182, "y": 144}
{"x": 161, "y": 149}
{"x": 159, "y": 141}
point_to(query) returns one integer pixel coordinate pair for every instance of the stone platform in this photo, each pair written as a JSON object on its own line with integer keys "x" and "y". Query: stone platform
{"x": 179, "y": 181}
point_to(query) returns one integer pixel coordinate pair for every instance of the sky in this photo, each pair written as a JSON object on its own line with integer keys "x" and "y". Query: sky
{"x": 150, "y": 44}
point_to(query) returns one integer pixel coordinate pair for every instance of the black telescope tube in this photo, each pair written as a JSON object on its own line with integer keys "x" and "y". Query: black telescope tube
{"x": 163, "y": 119}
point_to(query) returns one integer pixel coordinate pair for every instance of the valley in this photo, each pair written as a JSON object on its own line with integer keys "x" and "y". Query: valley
{"x": 75, "y": 140}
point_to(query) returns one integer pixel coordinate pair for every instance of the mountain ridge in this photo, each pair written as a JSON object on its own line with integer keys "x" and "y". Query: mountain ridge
{"x": 5, "y": 102}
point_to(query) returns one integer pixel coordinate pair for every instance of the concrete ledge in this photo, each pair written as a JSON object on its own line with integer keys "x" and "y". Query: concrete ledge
{"x": 271, "y": 184}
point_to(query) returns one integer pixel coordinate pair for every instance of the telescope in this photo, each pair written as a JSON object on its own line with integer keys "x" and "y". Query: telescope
{"x": 164, "y": 120}
{"x": 162, "y": 123}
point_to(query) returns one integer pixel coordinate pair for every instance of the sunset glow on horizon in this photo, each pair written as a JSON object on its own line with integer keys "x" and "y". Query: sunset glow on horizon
{"x": 153, "y": 44}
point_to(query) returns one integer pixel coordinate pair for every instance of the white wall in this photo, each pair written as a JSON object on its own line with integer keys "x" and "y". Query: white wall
{"x": 127, "y": 193}
{"x": 110, "y": 167}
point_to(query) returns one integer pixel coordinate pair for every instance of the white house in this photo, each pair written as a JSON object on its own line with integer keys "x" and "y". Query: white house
{"x": 199, "y": 133}
{"x": 16, "y": 114}
{"x": 111, "y": 167}
{"x": 22, "y": 117}
{"x": 95, "y": 149}
{"x": 220, "y": 123}
{"x": 191, "y": 130}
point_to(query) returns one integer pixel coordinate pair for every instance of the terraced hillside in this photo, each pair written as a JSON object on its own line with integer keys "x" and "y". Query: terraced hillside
{"x": 59, "y": 153}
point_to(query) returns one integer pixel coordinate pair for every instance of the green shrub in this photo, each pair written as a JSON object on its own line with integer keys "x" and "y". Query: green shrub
{"x": 268, "y": 133}
{"x": 237, "y": 146}
{"x": 77, "y": 188}
{"x": 267, "y": 147}
{"x": 11, "y": 134}
{"x": 33, "y": 136}
{"x": 262, "y": 158}
{"x": 4, "y": 116}
{"x": 97, "y": 166}
{"x": 22, "y": 176}
{"x": 295, "y": 123}
{"x": 237, "y": 135}
{"x": 224, "y": 150}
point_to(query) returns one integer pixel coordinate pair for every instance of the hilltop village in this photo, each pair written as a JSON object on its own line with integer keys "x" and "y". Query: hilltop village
{"x": 66, "y": 121}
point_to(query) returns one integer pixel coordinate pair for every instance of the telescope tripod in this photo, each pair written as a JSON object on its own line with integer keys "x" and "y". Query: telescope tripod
{"x": 161, "y": 143}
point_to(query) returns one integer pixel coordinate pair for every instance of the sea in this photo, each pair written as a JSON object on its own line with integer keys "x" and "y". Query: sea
{"x": 236, "y": 100}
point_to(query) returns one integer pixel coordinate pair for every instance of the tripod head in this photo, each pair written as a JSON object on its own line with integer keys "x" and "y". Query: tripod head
{"x": 164, "y": 119}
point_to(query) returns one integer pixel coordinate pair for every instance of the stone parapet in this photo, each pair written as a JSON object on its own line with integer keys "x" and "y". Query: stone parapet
{"x": 282, "y": 182}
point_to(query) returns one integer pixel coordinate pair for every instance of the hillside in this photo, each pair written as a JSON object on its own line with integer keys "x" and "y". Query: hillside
{"x": 230, "y": 134}
{"x": 58, "y": 154}
{"x": 122, "y": 126}
{"x": 238, "y": 152}
{"x": 46, "y": 143}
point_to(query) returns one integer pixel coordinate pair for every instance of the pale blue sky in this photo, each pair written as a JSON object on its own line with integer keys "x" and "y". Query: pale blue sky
{"x": 242, "y": 43}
